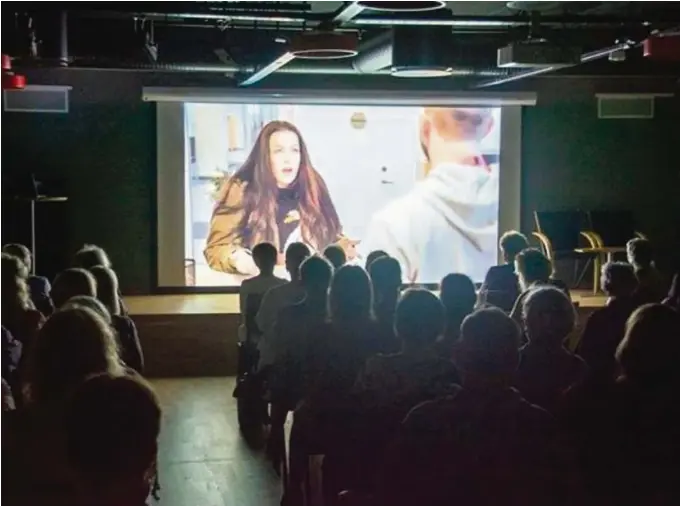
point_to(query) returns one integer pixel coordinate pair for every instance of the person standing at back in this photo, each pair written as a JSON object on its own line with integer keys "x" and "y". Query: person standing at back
{"x": 501, "y": 286}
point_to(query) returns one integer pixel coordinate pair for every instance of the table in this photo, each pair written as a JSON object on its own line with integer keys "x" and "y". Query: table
{"x": 600, "y": 252}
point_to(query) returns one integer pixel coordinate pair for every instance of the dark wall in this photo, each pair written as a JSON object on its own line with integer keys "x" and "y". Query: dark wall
{"x": 104, "y": 150}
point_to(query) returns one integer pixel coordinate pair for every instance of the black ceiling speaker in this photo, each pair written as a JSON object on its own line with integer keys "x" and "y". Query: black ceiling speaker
{"x": 421, "y": 52}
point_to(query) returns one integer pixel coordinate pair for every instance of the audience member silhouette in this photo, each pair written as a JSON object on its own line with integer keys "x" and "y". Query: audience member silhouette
{"x": 628, "y": 434}
{"x": 264, "y": 256}
{"x": 650, "y": 283}
{"x": 279, "y": 297}
{"x": 335, "y": 255}
{"x": 72, "y": 282}
{"x": 72, "y": 345}
{"x": 483, "y": 442}
{"x": 128, "y": 340}
{"x": 373, "y": 256}
{"x": 385, "y": 274}
{"x": 11, "y": 358}
{"x": 457, "y": 293}
{"x": 501, "y": 286}
{"x": 91, "y": 303}
{"x": 546, "y": 368}
{"x": 533, "y": 269}
{"x": 38, "y": 286}
{"x": 673, "y": 298}
{"x": 90, "y": 256}
{"x": 19, "y": 315}
{"x": 111, "y": 430}
{"x": 7, "y": 397}
{"x": 605, "y": 327}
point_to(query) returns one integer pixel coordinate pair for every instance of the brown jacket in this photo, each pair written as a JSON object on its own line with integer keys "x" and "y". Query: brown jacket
{"x": 225, "y": 247}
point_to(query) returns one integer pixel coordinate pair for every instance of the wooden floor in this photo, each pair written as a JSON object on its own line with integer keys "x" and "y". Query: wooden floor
{"x": 202, "y": 459}
{"x": 221, "y": 303}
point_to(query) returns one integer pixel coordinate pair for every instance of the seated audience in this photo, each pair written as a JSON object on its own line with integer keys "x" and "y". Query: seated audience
{"x": 72, "y": 345}
{"x": 484, "y": 444}
{"x": 7, "y": 397}
{"x": 373, "y": 256}
{"x": 673, "y": 299}
{"x": 501, "y": 286}
{"x": 72, "y": 282}
{"x": 128, "y": 340}
{"x": 264, "y": 256}
{"x": 416, "y": 373}
{"x": 457, "y": 293}
{"x": 606, "y": 326}
{"x": 650, "y": 282}
{"x": 19, "y": 315}
{"x": 90, "y": 256}
{"x": 90, "y": 303}
{"x": 628, "y": 435}
{"x": 11, "y": 358}
{"x": 335, "y": 255}
{"x": 546, "y": 368}
{"x": 533, "y": 269}
{"x": 385, "y": 273}
{"x": 111, "y": 429}
{"x": 38, "y": 286}
{"x": 279, "y": 297}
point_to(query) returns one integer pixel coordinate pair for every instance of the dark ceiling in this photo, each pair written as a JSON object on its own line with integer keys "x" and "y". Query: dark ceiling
{"x": 239, "y": 39}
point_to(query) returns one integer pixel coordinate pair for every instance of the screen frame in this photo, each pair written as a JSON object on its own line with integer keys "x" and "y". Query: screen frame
{"x": 171, "y": 156}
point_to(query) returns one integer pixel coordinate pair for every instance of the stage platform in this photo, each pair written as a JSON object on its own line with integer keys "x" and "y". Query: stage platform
{"x": 195, "y": 335}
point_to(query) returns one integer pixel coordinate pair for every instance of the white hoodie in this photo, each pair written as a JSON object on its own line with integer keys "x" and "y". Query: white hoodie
{"x": 447, "y": 223}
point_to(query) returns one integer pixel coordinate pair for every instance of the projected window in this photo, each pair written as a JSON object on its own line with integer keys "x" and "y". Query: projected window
{"x": 419, "y": 183}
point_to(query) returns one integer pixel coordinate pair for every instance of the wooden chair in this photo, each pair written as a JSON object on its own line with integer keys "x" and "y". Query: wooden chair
{"x": 561, "y": 234}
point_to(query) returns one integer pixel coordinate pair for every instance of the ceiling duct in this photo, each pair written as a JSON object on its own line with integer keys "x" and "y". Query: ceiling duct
{"x": 402, "y": 6}
{"x": 408, "y": 52}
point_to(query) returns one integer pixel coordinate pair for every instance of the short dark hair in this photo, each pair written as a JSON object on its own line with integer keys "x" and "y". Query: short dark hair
{"x": 511, "y": 243}
{"x": 374, "y": 255}
{"x": 335, "y": 255}
{"x": 419, "y": 318}
{"x": 457, "y": 292}
{"x": 316, "y": 273}
{"x": 90, "y": 256}
{"x": 489, "y": 340}
{"x": 533, "y": 266}
{"x": 549, "y": 315}
{"x": 296, "y": 253}
{"x": 351, "y": 294}
{"x": 385, "y": 273}
{"x": 640, "y": 252}
{"x": 112, "y": 426}
{"x": 618, "y": 279}
{"x": 20, "y": 251}
{"x": 264, "y": 256}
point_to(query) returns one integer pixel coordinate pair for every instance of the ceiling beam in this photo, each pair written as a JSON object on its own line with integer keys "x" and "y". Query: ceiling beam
{"x": 268, "y": 69}
{"x": 346, "y": 13}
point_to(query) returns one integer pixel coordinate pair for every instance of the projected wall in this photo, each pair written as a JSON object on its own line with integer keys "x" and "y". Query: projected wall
{"x": 421, "y": 183}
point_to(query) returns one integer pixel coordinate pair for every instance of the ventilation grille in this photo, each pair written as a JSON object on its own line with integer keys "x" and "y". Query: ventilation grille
{"x": 37, "y": 98}
{"x": 625, "y": 106}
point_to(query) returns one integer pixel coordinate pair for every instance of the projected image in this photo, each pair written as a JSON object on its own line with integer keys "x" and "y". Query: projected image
{"x": 420, "y": 183}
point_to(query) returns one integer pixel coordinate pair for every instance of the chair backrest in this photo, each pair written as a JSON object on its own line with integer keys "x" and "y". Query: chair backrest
{"x": 615, "y": 228}
{"x": 253, "y": 303}
{"x": 563, "y": 228}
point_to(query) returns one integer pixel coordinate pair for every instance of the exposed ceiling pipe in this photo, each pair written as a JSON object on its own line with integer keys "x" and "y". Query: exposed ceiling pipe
{"x": 585, "y": 58}
{"x": 347, "y": 12}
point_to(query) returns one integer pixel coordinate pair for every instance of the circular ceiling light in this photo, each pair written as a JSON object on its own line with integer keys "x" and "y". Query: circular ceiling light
{"x": 402, "y": 6}
{"x": 324, "y": 46}
{"x": 418, "y": 72}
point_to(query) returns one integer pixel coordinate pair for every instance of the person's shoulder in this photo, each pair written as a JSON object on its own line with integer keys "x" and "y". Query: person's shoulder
{"x": 122, "y": 322}
{"x": 428, "y": 415}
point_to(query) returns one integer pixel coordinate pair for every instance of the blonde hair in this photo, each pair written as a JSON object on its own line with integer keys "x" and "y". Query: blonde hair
{"x": 72, "y": 282}
{"x": 15, "y": 295}
{"x": 73, "y": 344}
{"x": 107, "y": 288}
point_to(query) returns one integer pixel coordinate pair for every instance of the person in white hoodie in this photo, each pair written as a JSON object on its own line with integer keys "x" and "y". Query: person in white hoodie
{"x": 449, "y": 221}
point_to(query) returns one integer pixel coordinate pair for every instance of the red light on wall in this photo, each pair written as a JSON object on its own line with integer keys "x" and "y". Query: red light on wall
{"x": 13, "y": 82}
{"x": 6, "y": 62}
{"x": 662, "y": 48}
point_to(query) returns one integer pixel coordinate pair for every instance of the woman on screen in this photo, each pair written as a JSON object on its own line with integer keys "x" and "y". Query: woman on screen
{"x": 276, "y": 196}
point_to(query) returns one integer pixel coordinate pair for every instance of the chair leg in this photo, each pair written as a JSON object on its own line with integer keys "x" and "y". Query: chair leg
{"x": 583, "y": 272}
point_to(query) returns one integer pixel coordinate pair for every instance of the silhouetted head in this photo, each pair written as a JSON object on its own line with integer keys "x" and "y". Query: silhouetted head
{"x": 315, "y": 275}
{"x": 265, "y": 256}
{"x": 89, "y": 303}
{"x": 296, "y": 253}
{"x": 457, "y": 292}
{"x": 107, "y": 288}
{"x": 618, "y": 279}
{"x": 650, "y": 349}
{"x": 351, "y": 295}
{"x": 373, "y": 256}
{"x": 72, "y": 282}
{"x": 15, "y": 296}
{"x": 385, "y": 274}
{"x": 419, "y": 319}
{"x": 335, "y": 255}
{"x": 549, "y": 316}
{"x": 21, "y": 252}
{"x": 89, "y": 256}
{"x": 488, "y": 348}
{"x": 531, "y": 267}
{"x": 511, "y": 243}
{"x": 640, "y": 252}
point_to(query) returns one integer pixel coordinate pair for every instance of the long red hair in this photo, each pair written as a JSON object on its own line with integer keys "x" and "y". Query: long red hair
{"x": 319, "y": 220}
